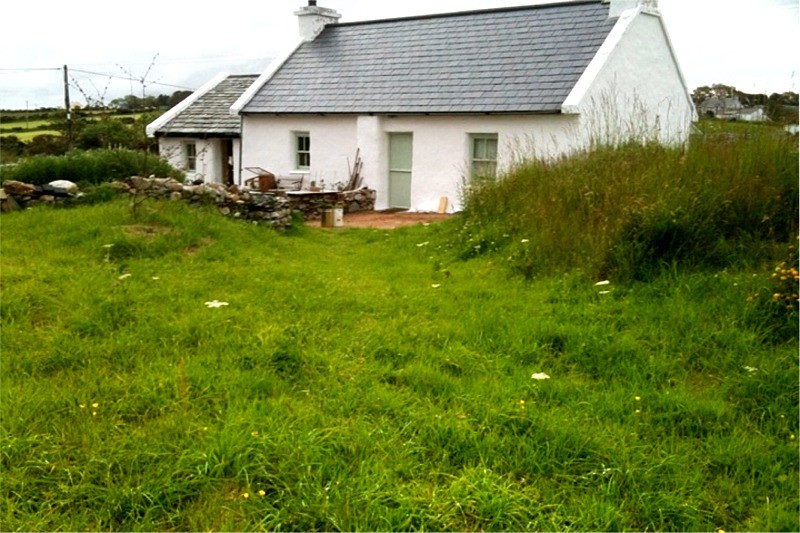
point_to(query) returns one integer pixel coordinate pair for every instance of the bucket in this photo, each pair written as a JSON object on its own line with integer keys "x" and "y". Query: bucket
{"x": 333, "y": 217}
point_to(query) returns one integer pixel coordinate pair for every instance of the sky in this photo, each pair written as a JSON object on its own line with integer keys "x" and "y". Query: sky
{"x": 161, "y": 46}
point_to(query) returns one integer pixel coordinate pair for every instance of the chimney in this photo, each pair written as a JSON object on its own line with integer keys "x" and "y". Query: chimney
{"x": 618, "y": 6}
{"x": 313, "y": 19}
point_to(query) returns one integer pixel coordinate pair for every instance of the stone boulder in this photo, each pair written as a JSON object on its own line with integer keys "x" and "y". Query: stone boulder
{"x": 68, "y": 186}
{"x": 17, "y": 188}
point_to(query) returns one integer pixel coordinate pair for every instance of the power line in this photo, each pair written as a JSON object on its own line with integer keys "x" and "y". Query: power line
{"x": 129, "y": 78}
{"x": 105, "y": 75}
{"x": 28, "y": 69}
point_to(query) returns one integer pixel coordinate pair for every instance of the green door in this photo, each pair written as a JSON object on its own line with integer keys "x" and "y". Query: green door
{"x": 400, "y": 162}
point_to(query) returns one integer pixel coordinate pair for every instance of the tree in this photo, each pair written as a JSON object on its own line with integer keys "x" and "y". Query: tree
{"x": 701, "y": 94}
{"x": 108, "y": 133}
{"x": 177, "y": 97}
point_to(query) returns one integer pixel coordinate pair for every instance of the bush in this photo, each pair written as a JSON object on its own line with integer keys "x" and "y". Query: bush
{"x": 46, "y": 144}
{"x": 93, "y": 167}
{"x": 631, "y": 211}
{"x": 11, "y": 147}
{"x": 775, "y": 307}
{"x": 106, "y": 134}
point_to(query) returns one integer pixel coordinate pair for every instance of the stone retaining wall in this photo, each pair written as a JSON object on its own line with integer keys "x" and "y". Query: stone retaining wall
{"x": 311, "y": 204}
{"x": 274, "y": 210}
{"x": 230, "y": 201}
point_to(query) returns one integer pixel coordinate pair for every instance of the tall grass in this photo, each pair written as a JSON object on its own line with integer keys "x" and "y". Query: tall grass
{"x": 89, "y": 167}
{"x": 363, "y": 380}
{"x": 632, "y": 211}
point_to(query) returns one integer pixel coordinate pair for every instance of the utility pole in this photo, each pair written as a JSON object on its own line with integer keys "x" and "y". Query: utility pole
{"x": 67, "y": 106}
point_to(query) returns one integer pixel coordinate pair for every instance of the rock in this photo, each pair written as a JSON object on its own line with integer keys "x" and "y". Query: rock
{"x": 47, "y": 198}
{"x": 225, "y": 211}
{"x": 68, "y": 186}
{"x": 7, "y": 202}
{"x": 175, "y": 196}
{"x": 174, "y": 186}
{"x": 49, "y": 190}
{"x": 140, "y": 183}
{"x": 17, "y": 188}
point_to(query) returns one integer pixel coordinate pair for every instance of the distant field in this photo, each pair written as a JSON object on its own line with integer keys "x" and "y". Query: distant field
{"x": 9, "y": 127}
{"x": 26, "y": 136}
{"x": 27, "y": 130}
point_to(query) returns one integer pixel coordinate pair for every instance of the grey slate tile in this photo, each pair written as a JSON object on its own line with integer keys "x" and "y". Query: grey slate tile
{"x": 514, "y": 59}
{"x": 209, "y": 114}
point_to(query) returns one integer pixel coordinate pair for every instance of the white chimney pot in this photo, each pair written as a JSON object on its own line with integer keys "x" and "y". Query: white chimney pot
{"x": 312, "y": 20}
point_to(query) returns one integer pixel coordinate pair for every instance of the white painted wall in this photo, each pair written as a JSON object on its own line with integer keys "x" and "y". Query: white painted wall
{"x": 441, "y": 148}
{"x": 209, "y": 164}
{"x": 639, "y": 93}
{"x": 442, "y": 151}
{"x": 268, "y": 142}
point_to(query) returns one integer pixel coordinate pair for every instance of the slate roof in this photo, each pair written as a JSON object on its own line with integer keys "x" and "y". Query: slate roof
{"x": 209, "y": 115}
{"x": 508, "y": 60}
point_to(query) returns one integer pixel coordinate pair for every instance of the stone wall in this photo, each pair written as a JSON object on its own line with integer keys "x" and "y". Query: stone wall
{"x": 311, "y": 204}
{"x": 231, "y": 201}
{"x": 238, "y": 202}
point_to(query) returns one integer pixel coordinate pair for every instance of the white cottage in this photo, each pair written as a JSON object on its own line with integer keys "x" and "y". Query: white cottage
{"x": 433, "y": 102}
{"x": 199, "y": 135}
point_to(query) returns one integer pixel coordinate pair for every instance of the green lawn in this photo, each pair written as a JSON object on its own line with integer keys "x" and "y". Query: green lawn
{"x": 366, "y": 380}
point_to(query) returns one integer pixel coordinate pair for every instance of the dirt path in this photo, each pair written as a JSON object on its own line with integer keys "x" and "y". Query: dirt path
{"x": 386, "y": 219}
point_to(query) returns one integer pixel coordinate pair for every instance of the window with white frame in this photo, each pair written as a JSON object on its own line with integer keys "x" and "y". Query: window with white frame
{"x": 483, "y": 155}
{"x": 190, "y": 151}
{"x": 302, "y": 150}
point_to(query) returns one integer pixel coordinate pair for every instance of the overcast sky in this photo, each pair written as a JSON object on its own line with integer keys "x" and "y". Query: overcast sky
{"x": 751, "y": 44}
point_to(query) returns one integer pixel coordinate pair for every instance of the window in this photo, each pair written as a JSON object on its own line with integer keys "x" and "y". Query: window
{"x": 191, "y": 157}
{"x": 302, "y": 146}
{"x": 483, "y": 155}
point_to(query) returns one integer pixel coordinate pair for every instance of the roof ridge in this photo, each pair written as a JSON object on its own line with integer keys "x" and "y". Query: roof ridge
{"x": 560, "y": 3}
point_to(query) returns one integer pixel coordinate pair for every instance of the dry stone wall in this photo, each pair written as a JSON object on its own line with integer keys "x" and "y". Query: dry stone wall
{"x": 274, "y": 210}
{"x": 230, "y": 201}
{"x": 311, "y": 204}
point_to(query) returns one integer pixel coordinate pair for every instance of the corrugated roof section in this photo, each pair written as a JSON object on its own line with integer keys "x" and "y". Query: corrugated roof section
{"x": 497, "y": 61}
{"x": 210, "y": 115}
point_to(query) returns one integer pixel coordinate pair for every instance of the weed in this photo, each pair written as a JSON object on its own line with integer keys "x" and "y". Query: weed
{"x": 339, "y": 390}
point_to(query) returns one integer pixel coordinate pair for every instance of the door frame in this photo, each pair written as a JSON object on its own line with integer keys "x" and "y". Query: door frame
{"x": 395, "y": 172}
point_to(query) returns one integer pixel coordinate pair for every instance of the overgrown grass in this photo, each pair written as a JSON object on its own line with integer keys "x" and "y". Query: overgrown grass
{"x": 632, "y": 212}
{"x": 359, "y": 379}
{"x": 89, "y": 167}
